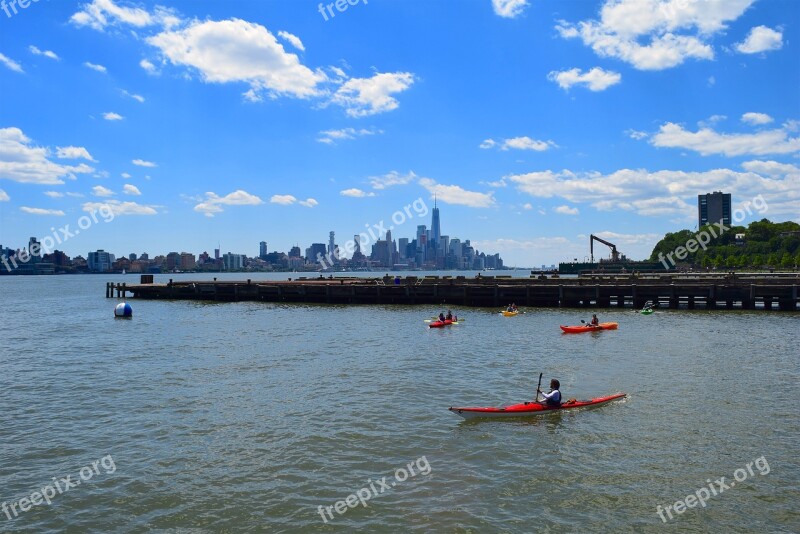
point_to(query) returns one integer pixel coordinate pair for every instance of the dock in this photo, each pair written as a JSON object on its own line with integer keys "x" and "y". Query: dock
{"x": 770, "y": 291}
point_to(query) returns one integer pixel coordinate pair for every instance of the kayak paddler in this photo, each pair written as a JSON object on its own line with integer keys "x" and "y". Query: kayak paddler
{"x": 441, "y": 317}
{"x": 595, "y": 320}
{"x": 552, "y": 397}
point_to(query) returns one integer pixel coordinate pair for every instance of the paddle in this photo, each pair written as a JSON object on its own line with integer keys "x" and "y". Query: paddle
{"x": 538, "y": 387}
{"x": 592, "y": 325}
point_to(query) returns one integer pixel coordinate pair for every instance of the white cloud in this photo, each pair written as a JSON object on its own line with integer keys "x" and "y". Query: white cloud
{"x": 125, "y": 175}
{"x": 284, "y": 200}
{"x": 595, "y": 79}
{"x": 132, "y": 190}
{"x": 143, "y": 163}
{"x": 566, "y": 210}
{"x": 213, "y": 203}
{"x": 454, "y": 194}
{"x": 54, "y": 194}
{"x": 519, "y": 143}
{"x": 292, "y": 40}
{"x": 239, "y": 51}
{"x": 119, "y": 208}
{"x": 95, "y": 67}
{"x": 111, "y": 116}
{"x": 46, "y": 53}
{"x": 368, "y": 96}
{"x": 309, "y": 203}
{"x": 667, "y": 192}
{"x": 4, "y": 196}
{"x": 10, "y": 63}
{"x": 100, "y": 191}
{"x": 148, "y": 66}
{"x": 527, "y": 206}
{"x": 99, "y": 14}
{"x": 509, "y": 8}
{"x": 756, "y": 118}
{"x": 706, "y": 141}
{"x": 636, "y": 134}
{"x": 41, "y": 211}
{"x": 391, "y": 179}
{"x": 672, "y": 30}
{"x": 330, "y": 137}
{"x": 355, "y": 193}
{"x": 23, "y": 162}
{"x": 761, "y": 39}
{"x": 73, "y": 152}
{"x": 138, "y": 98}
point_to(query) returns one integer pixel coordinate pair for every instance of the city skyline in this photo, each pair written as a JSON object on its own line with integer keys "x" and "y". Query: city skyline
{"x": 603, "y": 118}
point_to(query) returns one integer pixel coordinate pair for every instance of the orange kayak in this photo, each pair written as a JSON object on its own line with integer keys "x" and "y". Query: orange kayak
{"x": 589, "y": 328}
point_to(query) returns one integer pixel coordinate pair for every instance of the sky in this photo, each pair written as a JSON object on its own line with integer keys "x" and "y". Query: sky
{"x": 190, "y": 125}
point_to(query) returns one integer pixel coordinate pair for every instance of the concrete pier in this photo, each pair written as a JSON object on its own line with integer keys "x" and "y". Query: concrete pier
{"x": 692, "y": 291}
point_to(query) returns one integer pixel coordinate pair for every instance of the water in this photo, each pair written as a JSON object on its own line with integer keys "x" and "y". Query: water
{"x": 245, "y": 417}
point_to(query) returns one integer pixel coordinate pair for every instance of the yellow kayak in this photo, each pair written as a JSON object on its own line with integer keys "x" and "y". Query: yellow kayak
{"x": 510, "y": 314}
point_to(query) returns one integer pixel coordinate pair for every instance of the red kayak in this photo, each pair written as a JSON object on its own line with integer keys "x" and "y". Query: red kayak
{"x": 439, "y": 324}
{"x": 530, "y": 408}
{"x": 588, "y": 328}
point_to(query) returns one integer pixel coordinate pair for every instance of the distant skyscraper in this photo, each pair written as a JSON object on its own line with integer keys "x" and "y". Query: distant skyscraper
{"x": 331, "y": 243}
{"x": 436, "y": 231}
{"x": 262, "y": 249}
{"x": 357, "y": 241}
{"x": 713, "y": 208}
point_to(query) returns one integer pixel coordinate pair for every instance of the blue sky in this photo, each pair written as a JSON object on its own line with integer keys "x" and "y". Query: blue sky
{"x": 535, "y": 123}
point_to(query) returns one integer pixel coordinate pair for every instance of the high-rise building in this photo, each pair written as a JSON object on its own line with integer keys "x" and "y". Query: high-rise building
{"x": 331, "y": 242}
{"x": 34, "y": 250}
{"x": 436, "y": 231}
{"x": 402, "y": 247}
{"x": 713, "y": 208}
{"x": 262, "y": 249}
{"x": 99, "y": 261}
{"x": 357, "y": 247}
{"x": 315, "y": 252}
{"x": 233, "y": 262}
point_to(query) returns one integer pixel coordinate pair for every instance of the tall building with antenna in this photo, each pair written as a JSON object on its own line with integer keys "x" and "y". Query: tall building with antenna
{"x": 436, "y": 230}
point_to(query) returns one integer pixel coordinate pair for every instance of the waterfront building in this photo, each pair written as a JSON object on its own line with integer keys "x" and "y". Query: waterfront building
{"x": 713, "y": 208}
{"x": 100, "y": 261}
{"x": 262, "y": 249}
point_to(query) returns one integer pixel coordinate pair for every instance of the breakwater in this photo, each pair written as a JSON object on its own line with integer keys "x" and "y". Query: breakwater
{"x": 692, "y": 290}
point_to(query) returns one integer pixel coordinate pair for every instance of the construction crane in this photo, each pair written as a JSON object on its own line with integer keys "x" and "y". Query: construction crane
{"x": 614, "y": 253}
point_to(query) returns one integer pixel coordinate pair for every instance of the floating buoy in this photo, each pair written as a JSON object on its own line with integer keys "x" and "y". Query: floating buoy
{"x": 123, "y": 309}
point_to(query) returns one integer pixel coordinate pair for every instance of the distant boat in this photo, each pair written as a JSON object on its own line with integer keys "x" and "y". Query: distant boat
{"x": 123, "y": 271}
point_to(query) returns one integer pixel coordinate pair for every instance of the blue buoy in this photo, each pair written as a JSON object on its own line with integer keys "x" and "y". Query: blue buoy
{"x": 123, "y": 309}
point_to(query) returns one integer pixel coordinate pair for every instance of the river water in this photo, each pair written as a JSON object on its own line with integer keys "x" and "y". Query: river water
{"x": 249, "y": 417}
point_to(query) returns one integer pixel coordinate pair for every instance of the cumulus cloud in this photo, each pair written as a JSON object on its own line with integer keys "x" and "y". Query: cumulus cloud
{"x": 4, "y": 196}
{"x": 292, "y": 40}
{"x": 99, "y": 14}
{"x": 41, "y": 211}
{"x": 761, "y": 39}
{"x": 143, "y": 163}
{"x": 756, "y": 118}
{"x": 10, "y": 63}
{"x": 73, "y": 152}
{"x": 391, "y": 179}
{"x": 111, "y": 116}
{"x": 22, "y": 161}
{"x": 95, "y": 67}
{"x": 355, "y": 193}
{"x": 46, "y": 53}
{"x": 119, "y": 208}
{"x": 132, "y": 190}
{"x": 566, "y": 210}
{"x": 138, "y": 98}
{"x": 455, "y": 194}
{"x": 284, "y": 200}
{"x": 509, "y": 8}
{"x": 148, "y": 66}
{"x": 707, "y": 141}
{"x": 213, "y": 203}
{"x": 519, "y": 143}
{"x": 672, "y": 30}
{"x": 100, "y": 191}
{"x": 309, "y": 203}
{"x": 369, "y": 96}
{"x": 330, "y": 137}
{"x": 595, "y": 79}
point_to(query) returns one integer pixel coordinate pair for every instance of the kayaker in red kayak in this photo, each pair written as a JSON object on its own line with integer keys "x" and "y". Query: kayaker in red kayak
{"x": 449, "y": 316}
{"x": 441, "y": 317}
{"x": 552, "y": 397}
{"x": 595, "y": 320}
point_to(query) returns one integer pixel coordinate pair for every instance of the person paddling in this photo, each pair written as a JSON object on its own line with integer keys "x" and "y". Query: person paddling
{"x": 595, "y": 320}
{"x": 441, "y": 317}
{"x": 552, "y": 397}
{"x": 449, "y": 315}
